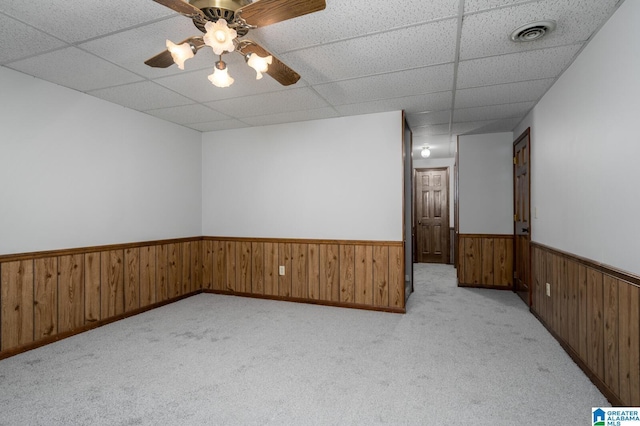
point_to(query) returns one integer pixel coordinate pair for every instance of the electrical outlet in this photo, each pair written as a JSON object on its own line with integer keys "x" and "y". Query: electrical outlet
{"x": 281, "y": 270}
{"x": 548, "y": 289}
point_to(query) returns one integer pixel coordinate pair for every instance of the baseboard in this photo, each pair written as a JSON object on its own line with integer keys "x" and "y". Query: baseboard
{"x": 310, "y": 301}
{"x": 489, "y": 287}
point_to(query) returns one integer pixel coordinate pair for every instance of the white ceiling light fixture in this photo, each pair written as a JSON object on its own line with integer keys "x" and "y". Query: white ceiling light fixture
{"x": 180, "y": 52}
{"x": 426, "y": 152}
{"x": 220, "y": 37}
{"x": 532, "y": 31}
{"x": 259, "y": 63}
{"x": 220, "y": 76}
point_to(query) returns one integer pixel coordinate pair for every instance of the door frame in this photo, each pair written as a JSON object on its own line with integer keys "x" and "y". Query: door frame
{"x": 529, "y": 301}
{"x": 447, "y": 229}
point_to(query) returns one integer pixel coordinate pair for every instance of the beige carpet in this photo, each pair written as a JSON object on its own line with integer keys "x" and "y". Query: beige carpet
{"x": 458, "y": 357}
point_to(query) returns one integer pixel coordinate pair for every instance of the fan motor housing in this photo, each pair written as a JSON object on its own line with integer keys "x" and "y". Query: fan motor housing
{"x": 219, "y": 9}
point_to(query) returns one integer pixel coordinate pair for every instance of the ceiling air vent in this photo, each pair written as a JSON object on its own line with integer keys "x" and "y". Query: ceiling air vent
{"x": 533, "y": 31}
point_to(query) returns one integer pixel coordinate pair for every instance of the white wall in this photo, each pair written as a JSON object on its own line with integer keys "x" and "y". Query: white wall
{"x": 78, "y": 171}
{"x": 449, "y": 163}
{"x": 485, "y": 192}
{"x": 327, "y": 179}
{"x": 585, "y": 147}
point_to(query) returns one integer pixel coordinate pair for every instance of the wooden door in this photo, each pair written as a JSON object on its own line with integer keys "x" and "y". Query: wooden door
{"x": 522, "y": 217}
{"x": 432, "y": 215}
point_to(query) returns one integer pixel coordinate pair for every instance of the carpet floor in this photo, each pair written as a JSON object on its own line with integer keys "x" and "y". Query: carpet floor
{"x": 458, "y": 357}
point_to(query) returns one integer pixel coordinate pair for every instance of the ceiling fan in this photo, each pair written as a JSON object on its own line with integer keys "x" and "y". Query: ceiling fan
{"x": 223, "y": 22}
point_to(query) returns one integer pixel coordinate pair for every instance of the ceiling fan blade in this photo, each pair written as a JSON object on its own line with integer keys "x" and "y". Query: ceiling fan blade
{"x": 267, "y": 12}
{"x": 161, "y": 60}
{"x": 164, "y": 59}
{"x": 182, "y": 7}
{"x": 278, "y": 70}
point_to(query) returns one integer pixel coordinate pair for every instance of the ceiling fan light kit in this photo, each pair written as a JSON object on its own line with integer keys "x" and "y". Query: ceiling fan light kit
{"x": 223, "y": 22}
{"x": 220, "y": 37}
{"x": 220, "y": 76}
{"x": 180, "y": 52}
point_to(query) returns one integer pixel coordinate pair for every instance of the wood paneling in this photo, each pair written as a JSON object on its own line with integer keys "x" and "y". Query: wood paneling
{"x": 162, "y": 272}
{"x": 243, "y": 269}
{"x": 92, "y": 291}
{"x": 595, "y": 313}
{"x": 329, "y": 272}
{"x": 45, "y": 314}
{"x": 196, "y": 265}
{"x": 50, "y": 295}
{"x": 396, "y": 277}
{"x": 147, "y": 276}
{"x": 314, "y": 271}
{"x": 629, "y": 343}
{"x": 70, "y": 292}
{"x": 208, "y": 264}
{"x": 112, "y": 283}
{"x": 132, "y": 279}
{"x": 299, "y": 271}
{"x": 380, "y": 276}
{"x": 16, "y": 296}
{"x": 485, "y": 260}
{"x": 185, "y": 270}
{"x": 257, "y": 268}
{"x": 270, "y": 269}
{"x": 364, "y": 275}
{"x": 57, "y": 294}
{"x": 344, "y": 273}
{"x": 595, "y": 326}
{"x": 347, "y": 273}
{"x": 230, "y": 270}
{"x": 611, "y": 356}
{"x": 174, "y": 269}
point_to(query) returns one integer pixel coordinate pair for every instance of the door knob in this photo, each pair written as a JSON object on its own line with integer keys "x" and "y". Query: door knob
{"x": 525, "y": 229}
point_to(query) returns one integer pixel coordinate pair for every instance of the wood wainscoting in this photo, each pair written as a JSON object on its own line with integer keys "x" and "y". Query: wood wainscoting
{"x": 485, "y": 261}
{"x": 47, "y": 296}
{"x": 356, "y": 274}
{"x": 594, "y": 312}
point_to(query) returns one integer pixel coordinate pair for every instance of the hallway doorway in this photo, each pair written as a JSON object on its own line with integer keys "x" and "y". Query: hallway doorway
{"x": 431, "y": 203}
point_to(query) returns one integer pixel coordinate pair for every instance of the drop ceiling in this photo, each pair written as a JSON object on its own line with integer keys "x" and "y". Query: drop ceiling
{"x": 448, "y": 63}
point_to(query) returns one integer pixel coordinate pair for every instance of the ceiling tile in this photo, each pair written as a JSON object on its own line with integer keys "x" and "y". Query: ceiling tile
{"x": 71, "y": 67}
{"x": 212, "y": 126}
{"x": 530, "y": 90}
{"x": 144, "y": 42}
{"x": 347, "y": 19}
{"x": 491, "y": 126}
{"x": 404, "y": 83}
{"x": 438, "y": 129}
{"x": 290, "y": 117}
{"x": 86, "y": 19}
{"x": 186, "y": 114}
{"x": 141, "y": 96}
{"x": 429, "y": 119}
{"x": 531, "y": 65}
{"x": 378, "y": 53}
{"x": 487, "y": 34}
{"x": 411, "y": 104}
{"x": 272, "y": 103}
{"x": 478, "y": 5}
{"x": 492, "y": 112}
{"x": 13, "y": 35}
